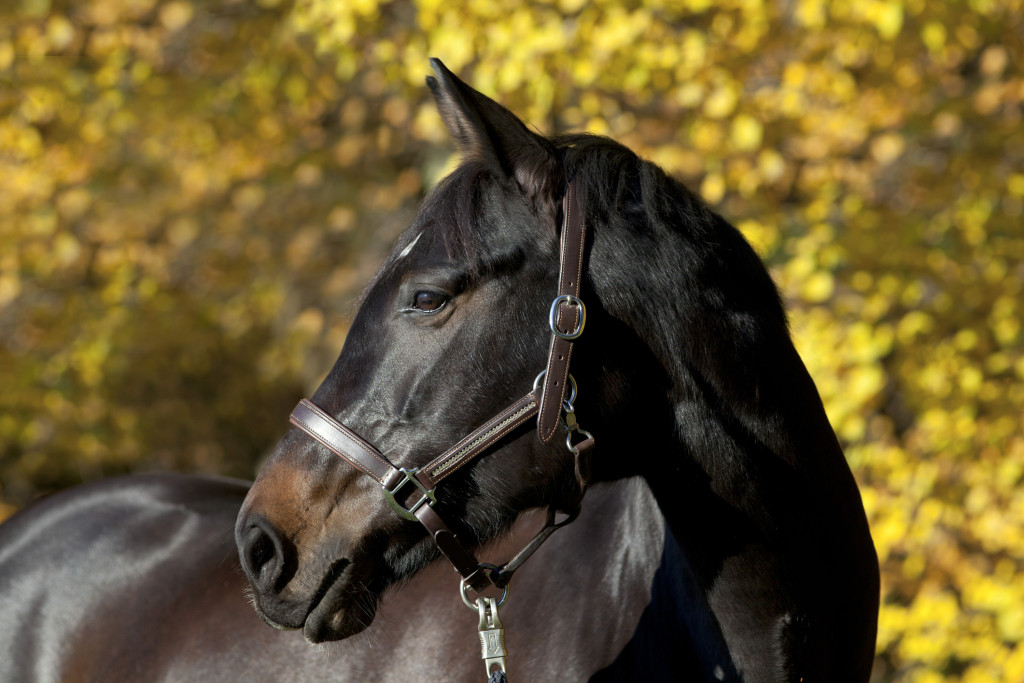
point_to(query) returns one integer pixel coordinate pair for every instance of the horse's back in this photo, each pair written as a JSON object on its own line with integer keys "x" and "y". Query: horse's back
{"x": 91, "y": 578}
{"x": 138, "y": 579}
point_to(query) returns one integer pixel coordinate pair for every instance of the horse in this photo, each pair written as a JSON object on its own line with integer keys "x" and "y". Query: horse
{"x": 570, "y": 369}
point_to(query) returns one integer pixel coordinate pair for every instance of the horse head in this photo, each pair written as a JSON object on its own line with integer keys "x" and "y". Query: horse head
{"x": 451, "y": 330}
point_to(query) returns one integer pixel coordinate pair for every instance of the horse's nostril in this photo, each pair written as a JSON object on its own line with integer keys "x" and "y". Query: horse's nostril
{"x": 264, "y": 556}
{"x": 260, "y": 550}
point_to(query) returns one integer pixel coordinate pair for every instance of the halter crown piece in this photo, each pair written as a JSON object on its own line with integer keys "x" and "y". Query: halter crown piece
{"x": 411, "y": 492}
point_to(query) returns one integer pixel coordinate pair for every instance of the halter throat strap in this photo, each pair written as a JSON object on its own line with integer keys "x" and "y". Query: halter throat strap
{"x": 410, "y": 492}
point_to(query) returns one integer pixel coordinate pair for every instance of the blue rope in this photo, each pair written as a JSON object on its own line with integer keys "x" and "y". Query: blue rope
{"x": 497, "y": 676}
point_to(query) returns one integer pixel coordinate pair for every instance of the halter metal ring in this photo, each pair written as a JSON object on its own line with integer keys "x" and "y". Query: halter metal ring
{"x": 553, "y": 316}
{"x": 572, "y": 386}
{"x": 465, "y": 598}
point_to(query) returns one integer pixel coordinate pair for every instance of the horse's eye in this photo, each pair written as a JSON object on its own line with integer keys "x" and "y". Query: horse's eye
{"x": 429, "y": 302}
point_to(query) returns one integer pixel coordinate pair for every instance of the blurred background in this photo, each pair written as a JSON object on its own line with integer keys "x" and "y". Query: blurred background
{"x": 193, "y": 193}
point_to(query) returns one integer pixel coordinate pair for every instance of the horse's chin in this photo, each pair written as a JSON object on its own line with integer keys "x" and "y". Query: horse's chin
{"x": 343, "y": 611}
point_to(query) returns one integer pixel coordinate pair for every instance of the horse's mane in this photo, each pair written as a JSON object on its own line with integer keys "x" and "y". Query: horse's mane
{"x": 614, "y": 181}
{"x": 702, "y": 294}
{"x": 609, "y": 176}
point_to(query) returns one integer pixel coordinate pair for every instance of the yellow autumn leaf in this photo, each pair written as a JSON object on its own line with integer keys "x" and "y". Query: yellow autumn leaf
{"x": 746, "y": 132}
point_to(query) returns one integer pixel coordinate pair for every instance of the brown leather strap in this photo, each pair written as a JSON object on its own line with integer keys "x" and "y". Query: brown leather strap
{"x": 582, "y": 466}
{"x": 342, "y": 441}
{"x": 463, "y": 560}
{"x": 479, "y": 440}
{"x": 503, "y": 575}
{"x": 351, "y": 448}
{"x": 568, "y": 315}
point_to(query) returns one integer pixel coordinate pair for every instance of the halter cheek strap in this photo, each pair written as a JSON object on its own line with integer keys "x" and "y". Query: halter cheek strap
{"x": 410, "y": 492}
{"x": 567, "y": 316}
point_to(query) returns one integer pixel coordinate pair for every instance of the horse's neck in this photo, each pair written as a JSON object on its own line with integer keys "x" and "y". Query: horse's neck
{"x": 770, "y": 523}
{"x": 722, "y": 398}
{"x": 748, "y": 453}
{"x": 734, "y": 442}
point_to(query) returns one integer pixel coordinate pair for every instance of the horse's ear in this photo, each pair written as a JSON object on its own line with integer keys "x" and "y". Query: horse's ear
{"x": 488, "y": 132}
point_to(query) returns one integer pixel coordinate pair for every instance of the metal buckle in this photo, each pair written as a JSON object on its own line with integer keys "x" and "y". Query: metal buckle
{"x": 410, "y": 476}
{"x": 553, "y": 316}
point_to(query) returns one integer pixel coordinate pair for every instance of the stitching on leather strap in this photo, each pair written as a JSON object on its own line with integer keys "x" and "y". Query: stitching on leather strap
{"x": 569, "y": 282}
{"x": 359, "y": 441}
{"x": 334, "y": 449}
{"x": 370, "y": 450}
{"x": 322, "y": 432}
{"x": 472, "y": 445}
{"x": 548, "y": 431}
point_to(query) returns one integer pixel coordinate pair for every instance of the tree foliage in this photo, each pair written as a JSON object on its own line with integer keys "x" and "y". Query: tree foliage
{"x": 193, "y": 193}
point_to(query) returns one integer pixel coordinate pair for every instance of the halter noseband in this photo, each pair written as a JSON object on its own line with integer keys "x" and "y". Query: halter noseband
{"x": 410, "y": 492}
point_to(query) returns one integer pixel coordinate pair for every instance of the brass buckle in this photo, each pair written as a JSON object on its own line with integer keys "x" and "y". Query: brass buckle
{"x": 410, "y": 476}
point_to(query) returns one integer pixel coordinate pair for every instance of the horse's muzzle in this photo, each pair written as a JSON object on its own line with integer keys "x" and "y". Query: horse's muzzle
{"x": 269, "y": 561}
{"x": 329, "y": 607}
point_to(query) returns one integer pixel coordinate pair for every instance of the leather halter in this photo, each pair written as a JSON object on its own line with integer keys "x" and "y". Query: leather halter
{"x": 411, "y": 491}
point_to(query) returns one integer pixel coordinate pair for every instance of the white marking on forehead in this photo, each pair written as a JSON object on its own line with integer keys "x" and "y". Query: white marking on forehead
{"x": 405, "y": 252}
